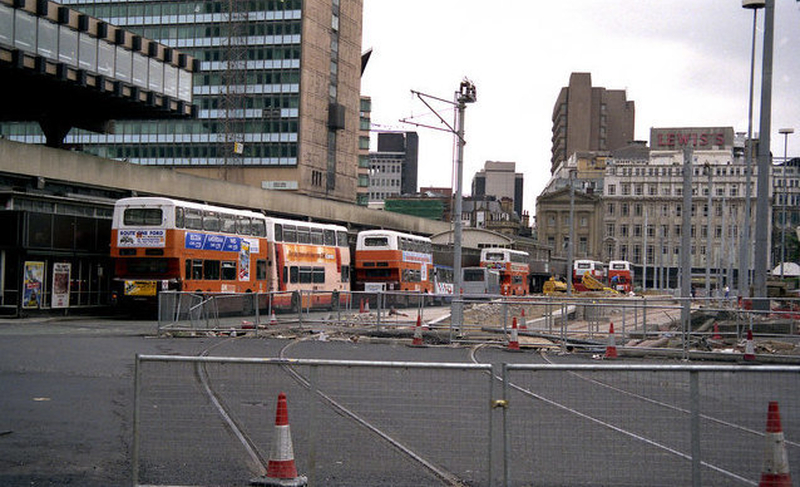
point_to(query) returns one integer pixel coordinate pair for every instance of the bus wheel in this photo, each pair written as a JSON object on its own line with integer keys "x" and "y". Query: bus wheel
{"x": 295, "y": 307}
{"x": 334, "y": 300}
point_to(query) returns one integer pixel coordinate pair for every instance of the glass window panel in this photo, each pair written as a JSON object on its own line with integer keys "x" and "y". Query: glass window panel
{"x": 68, "y": 46}
{"x": 48, "y": 39}
{"x": 124, "y": 64}
{"x": 6, "y": 24}
{"x": 25, "y": 32}
{"x": 170, "y": 81}
{"x": 87, "y": 53}
{"x": 105, "y": 58}
{"x": 156, "y": 76}
{"x": 185, "y": 86}
{"x": 139, "y": 73}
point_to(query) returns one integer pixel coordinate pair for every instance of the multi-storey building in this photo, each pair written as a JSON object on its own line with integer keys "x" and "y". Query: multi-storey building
{"x": 587, "y": 118}
{"x": 786, "y": 210}
{"x": 393, "y": 168}
{"x": 362, "y": 187}
{"x": 500, "y": 179}
{"x": 278, "y": 92}
{"x": 634, "y": 197}
{"x": 643, "y": 205}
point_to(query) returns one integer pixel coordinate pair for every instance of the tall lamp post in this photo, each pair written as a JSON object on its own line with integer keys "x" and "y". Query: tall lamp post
{"x": 785, "y": 132}
{"x": 744, "y": 248}
{"x": 571, "y": 243}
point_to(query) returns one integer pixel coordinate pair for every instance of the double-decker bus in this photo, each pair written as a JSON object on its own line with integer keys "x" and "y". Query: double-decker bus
{"x": 620, "y": 275}
{"x": 513, "y": 266}
{"x": 594, "y": 268}
{"x": 167, "y": 244}
{"x": 393, "y": 261}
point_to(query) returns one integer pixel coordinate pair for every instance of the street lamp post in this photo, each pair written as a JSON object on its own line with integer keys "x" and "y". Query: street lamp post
{"x": 571, "y": 243}
{"x": 709, "y": 238}
{"x": 785, "y": 132}
{"x": 744, "y": 248}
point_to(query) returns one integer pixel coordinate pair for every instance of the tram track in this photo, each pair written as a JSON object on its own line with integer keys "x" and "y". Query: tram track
{"x": 618, "y": 429}
{"x": 257, "y": 458}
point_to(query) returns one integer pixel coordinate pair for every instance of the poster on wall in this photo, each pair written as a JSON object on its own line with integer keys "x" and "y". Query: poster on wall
{"x": 32, "y": 285}
{"x": 61, "y": 275}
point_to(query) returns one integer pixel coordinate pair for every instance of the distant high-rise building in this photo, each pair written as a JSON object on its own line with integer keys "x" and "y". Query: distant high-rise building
{"x": 500, "y": 180}
{"x": 393, "y": 168}
{"x": 278, "y": 92}
{"x": 587, "y": 118}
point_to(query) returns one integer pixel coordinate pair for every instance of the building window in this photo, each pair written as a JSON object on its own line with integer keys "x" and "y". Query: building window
{"x": 612, "y": 189}
{"x": 610, "y": 229}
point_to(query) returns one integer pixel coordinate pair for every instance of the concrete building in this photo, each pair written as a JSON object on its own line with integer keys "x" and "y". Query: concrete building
{"x": 500, "y": 180}
{"x": 786, "y": 210}
{"x": 587, "y": 118}
{"x": 362, "y": 187}
{"x": 643, "y": 205}
{"x": 266, "y": 119}
{"x": 393, "y": 167}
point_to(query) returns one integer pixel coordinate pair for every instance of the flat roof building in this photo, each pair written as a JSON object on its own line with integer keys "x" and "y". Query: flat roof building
{"x": 587, "y": 118}
{"x": 277, "y": 92}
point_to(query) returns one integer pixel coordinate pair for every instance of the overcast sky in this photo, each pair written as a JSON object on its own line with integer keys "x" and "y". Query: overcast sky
{"x": 685, "y": 63}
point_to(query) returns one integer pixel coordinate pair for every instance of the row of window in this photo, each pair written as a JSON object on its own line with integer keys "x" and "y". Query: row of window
{"x": 664, "y": 231}
{"x": 634, "y": 254}
{"x": 216, "y": 270}
{"x": 184, "y": 151}
{"x": 309, "y": 235}
{"x": 664, "y": 210}
{"x": 672, "y": 189}
{"x": 103, "y": 9}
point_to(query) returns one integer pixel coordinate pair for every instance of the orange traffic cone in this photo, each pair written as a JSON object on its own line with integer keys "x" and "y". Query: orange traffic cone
{"x": 417, "y": 341}
{"x": 611, "y": 348}
{"x": 281, "y": 470}
{"x": 361, "y": 307}
{"x": 776, "y": 463}
{"x": 716, "y": 335}
{"x": 513, "y": 343}
{"x": 749, "y": 349}
{"x": 522, "y": 324}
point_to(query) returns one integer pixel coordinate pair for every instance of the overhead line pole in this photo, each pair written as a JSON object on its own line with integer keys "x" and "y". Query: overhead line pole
{"x": 465, "y": 94}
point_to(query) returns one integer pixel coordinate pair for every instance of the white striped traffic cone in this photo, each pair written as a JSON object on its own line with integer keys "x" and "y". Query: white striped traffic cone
{"x": 611, "y": 348}
{"x": 513, "y": 343}
{"x": 776, "y": 463}
{"x": 749, "y": 349}
{"x": 273, "y": 320}
{"x": 281, "y": 470}
{"x": 417, "y": 341}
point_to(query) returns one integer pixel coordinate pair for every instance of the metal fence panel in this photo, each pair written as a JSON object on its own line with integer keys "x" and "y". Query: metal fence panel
{"x": 629, "y": 425}
{"x": 210, "y": 421}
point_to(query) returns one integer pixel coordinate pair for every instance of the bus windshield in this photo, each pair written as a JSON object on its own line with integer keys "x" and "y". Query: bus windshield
{"x": 376, "y": 242}
{"x": 494, "y": 256}
{"x": 142, "y": 216}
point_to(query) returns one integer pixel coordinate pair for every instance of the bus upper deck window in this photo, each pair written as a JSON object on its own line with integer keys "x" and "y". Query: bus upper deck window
{"x": 194, "y": 219}
{"x": 376, "y": 242}
{"x": 148, "y": 217}
{"x": 289, "y": 233}
{"x": 211, "y": 221}
{"x": 279, "y": 233}
{"x": 316, "y": 236}
{"x": 243, "y": 226}
{"x": 330, "y": 237}
{"x": 341, "y": 238}
{"x": 178, "y": 217}
{"x": 259, "y": 228}
{"x": 228, "y": 223}
{"x": 303, "y": 235}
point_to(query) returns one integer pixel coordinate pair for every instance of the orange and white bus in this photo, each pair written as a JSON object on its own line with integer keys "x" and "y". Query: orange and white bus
{"x": 387, "y": 260}
{"x": 620, "y": 275}
{"x": 513, "y": 266}
{"x": 594, "y": 268}
{"x": 166, "y": 244}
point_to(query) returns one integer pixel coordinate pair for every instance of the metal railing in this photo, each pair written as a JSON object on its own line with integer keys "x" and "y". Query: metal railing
{"x": 211, "y": 421}
{"x": 640, "y": 324}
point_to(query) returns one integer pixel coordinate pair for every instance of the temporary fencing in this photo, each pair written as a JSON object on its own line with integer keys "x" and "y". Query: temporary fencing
{"x": 211, "y": 421}
{"x": 579, "y": 323}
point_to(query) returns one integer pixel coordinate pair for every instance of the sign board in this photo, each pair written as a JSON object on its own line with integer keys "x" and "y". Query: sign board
{"x": 61, "y": 278}
{"x": 32, "y": 284}
{"x": 702, "y": 138}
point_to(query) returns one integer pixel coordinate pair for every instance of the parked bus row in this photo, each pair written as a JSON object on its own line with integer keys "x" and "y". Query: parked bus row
{"x": 166, "y": 244}
{"x": 617, "y": 274}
